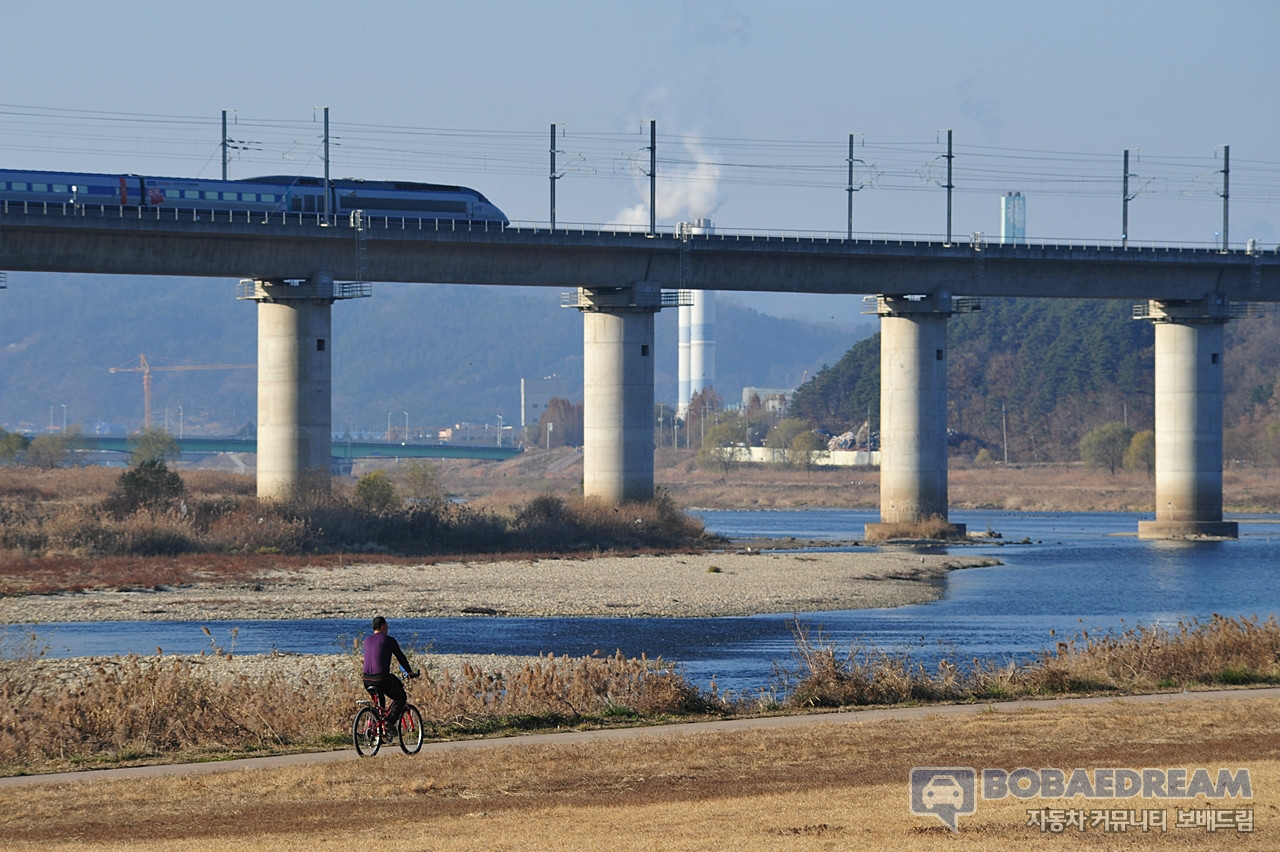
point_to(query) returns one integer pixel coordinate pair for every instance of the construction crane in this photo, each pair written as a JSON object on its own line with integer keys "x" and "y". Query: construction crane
{"x": 146, "y": 370}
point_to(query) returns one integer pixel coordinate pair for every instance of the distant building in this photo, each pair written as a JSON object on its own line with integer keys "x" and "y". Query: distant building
{"x": 475, "y": 433}
{"x": 773, "y": 400}
{"x": 536, "y": 393}
{"x": 1013, "y": 219}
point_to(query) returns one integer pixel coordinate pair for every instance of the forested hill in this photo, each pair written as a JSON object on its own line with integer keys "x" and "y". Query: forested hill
{"x": 444, "y": 354}
{"x": 1049, "y": 371}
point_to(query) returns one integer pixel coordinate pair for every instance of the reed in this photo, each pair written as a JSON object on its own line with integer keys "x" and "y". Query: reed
{"x": 136, "y": 709}
{"x": 1149, "y": 658}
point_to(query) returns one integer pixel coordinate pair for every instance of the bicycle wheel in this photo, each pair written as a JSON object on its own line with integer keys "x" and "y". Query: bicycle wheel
{"x": 410, "y": 730}
{"x": 364, "y": 732}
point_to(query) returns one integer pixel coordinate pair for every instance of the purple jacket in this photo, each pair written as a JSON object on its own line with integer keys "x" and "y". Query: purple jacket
{"x": 378, "y": 650}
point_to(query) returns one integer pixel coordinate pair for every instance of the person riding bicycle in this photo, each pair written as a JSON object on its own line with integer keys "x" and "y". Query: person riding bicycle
{"x": 379, "y": 648}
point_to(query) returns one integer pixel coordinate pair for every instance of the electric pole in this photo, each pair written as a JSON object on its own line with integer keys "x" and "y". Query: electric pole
{"x": 1226, "y": 190}
{"x": 653, "y": 177}
{"x": 950, "y": 186}
{"x": 553, "y": 176}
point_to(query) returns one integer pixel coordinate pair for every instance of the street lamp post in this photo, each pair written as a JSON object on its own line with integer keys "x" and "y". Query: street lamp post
{"x": 406, "y": 427}
{"x": 388, "y": 425}
{"x": 499, "y": 430}
{"x": 64, "y": 417}
{"x": 551, "y": 427}
{"x": 179, "y": 422}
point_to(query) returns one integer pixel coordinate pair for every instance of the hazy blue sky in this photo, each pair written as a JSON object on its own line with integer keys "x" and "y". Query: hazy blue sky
{"x": 754, "y": 103}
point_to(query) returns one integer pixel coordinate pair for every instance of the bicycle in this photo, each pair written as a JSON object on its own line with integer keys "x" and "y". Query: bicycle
{"x": 369, "y": 729}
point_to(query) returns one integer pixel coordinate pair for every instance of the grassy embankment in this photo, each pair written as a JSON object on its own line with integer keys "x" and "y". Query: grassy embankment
{"x": 834, "y": 784}
{"x": 164, "y": 709}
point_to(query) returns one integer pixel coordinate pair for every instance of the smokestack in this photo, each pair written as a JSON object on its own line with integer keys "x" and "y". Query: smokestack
{"x": 697, "y": 353}
{"x": 1013, "y": 219}
{"x": 683, "y": 394}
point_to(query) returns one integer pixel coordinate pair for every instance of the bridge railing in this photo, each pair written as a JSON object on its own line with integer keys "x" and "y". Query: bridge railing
{"x": 972, "y": 243}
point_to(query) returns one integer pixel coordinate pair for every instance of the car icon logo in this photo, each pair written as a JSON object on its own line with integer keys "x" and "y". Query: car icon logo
{"x": 942, "y": 790}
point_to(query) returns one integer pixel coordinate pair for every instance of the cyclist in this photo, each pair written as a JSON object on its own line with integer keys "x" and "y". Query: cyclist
{"x": 379, "y": 648}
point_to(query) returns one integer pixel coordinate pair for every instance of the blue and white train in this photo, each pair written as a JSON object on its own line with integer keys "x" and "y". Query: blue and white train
{"x": 271, "y": 194}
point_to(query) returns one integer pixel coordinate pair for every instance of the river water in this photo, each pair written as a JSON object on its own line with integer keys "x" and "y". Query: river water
{"x": 1062, "y": 574}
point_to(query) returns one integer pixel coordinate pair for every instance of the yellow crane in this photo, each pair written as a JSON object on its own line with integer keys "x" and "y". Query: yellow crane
{"x": 146, "y": 369}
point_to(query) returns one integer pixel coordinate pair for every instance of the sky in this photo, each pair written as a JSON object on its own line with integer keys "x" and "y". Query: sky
{"x": 754, "y": 105}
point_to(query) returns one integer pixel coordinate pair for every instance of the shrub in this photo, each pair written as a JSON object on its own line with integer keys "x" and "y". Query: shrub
{"x": 375, "y": 492}
{"x": 149, "y": 484}
{"x": 35, "y": 519}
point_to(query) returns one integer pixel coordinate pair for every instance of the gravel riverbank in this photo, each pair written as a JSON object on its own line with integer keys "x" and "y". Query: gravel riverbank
{"x": 714, "y": 584}
{"x": 710, "y": 584}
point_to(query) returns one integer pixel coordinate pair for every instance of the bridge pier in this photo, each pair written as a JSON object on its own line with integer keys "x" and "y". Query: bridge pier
{"x": 294, "y": 381}
{"x": 617, "y": 364}
{"x": 913, "y": 415}
{"x": 1188, "y": 409}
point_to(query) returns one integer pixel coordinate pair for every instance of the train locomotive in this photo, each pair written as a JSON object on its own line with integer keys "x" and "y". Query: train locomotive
{"x": 269, "y": 194}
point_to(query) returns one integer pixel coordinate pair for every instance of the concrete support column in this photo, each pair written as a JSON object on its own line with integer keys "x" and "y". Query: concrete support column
{"x": 617, "y": 441}
{"x": 294, "y": 382}
{"x": 1188, "y": 409}
{"x": 913, "y": 412}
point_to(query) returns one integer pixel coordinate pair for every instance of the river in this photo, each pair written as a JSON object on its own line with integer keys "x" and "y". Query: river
{"x": 1061, "y": 574}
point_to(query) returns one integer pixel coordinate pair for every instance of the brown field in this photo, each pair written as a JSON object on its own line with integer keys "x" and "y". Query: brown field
{"x": 1058, "y": 487}
{"x": 818, "y": 785}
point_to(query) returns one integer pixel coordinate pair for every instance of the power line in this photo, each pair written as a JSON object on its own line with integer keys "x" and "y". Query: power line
{"x": 900, "y": 166}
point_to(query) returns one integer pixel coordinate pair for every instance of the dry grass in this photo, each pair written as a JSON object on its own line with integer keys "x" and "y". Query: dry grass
{"x": 560, "y": 690}
{"x": 1230, "y": 651}
{"x": 130, "y": 710}
{"x": 85, "y": 513}
{"x": 932, "y": 528}
{"x": 816, "y": 786}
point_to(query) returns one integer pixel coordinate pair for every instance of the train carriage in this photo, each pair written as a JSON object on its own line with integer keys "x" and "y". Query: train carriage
{"x": 269, "y": 194}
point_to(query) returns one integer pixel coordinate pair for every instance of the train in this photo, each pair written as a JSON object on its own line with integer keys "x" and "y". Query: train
{"x": 268, "y": 194}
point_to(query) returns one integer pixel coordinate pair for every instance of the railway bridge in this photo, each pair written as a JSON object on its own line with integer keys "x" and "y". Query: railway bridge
{"x": 295, "y": 266}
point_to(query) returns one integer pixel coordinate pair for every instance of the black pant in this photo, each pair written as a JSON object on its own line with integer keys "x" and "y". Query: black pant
{"x": 390, "y": 686}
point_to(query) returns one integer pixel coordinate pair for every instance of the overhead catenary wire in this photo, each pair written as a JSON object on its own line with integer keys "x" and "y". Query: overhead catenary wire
{"x": 273, "y": 145}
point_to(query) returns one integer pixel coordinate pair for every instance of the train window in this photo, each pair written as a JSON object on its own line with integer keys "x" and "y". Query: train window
{"x": 3, "y": 185}
{"x": 230, "y": 196}
{"x": 190, "y": 193}
{"x": 211, "y": 196}
{"x": 39, "y": 187}
{"x": 59, "y": 187}
{"x": 248, "y": 196}
{"x": 268, "y": 197}
{"x": 19, "y": 185}
{"x": 172, "y": 193}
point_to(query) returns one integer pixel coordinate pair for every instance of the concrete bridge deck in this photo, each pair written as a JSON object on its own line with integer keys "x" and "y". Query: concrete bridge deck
{"x": 118, "y": 241}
